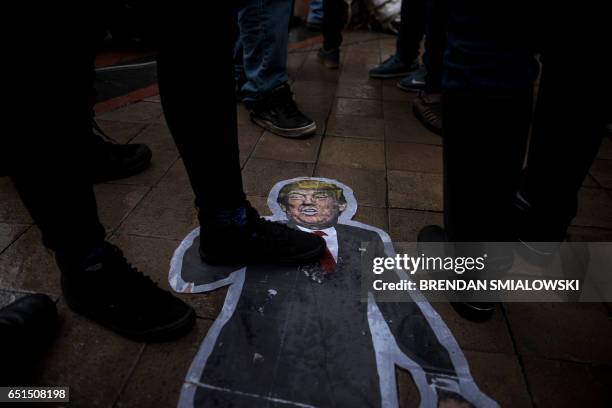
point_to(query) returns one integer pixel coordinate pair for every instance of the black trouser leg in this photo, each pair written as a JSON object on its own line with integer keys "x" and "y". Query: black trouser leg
{"x": 49, "y": 172}
{"x": 412, "y": 28}
{"x": 333, "y": 22}
{"x": 197, "y": 94}
{"x": 437, "y": 15}
{"x": 485, "y": 137}
{"x": 567, "y": 132}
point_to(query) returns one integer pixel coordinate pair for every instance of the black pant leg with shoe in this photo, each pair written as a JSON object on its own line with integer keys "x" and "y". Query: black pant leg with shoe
{"x": 490, "y": 69}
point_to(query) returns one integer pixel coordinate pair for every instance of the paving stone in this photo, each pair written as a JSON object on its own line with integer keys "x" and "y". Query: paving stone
{"x": 176, "y": 176}
{"x": 499, "y": 376}
{"x": 89, "y": 359}
{"x": 320, "y": 120}
{"x": 359, "y": 90}
{"x": 360, "y": 36}
{"x": 312, "y": 70}
{"x": 360, "y": 64}
{"x": 271, "y": 146}
{"x": 356, "y": 126}
{"x": 586, "y": 234}
{"x": 168, "y": 211}
{"x": 12, "y": 210}
{"x": 397, "y": 109}
{"x": 414, "y": 157}
{"x": 386, "y": 51}
{"x": 149, "y": 386}
{"x": 260, "y": 175}
{"x": 419, "y": 191}
{"x": 9, "y": 233}
{"x": 392, "y": 93}
{"x": 577, "y": 332}
{"x": 352, "y": 78}
{"x": 116, "y": 201}
{"x": 160, "y": 141}
{"x": 248, "y": 136}
{"x": 358, "y": 107}
{"x": 601, "y": 171}
{"x": 27, "y": 266}
{"x": 358, "y": 153}
{"x": 562, "y": 384}
{"x": 594, "y": 208}
{"x": 374, "y": 216}
{"x": 152, "y": 256}
{"x": 590, "y": 182}
{"x": 409, "y": 130}
{"x": 369, "y": 186}
{"x": 358, "y": 75}
{"x": 314, "y": 96}
{"x": 242, "y": 115}
{"x": 260, "y": 204}
{"x": 605, "y": 150}
{"x": 155, "y": 98}
{"x": 140, "y": 112}
{"x": 404, "y": 225}
{"x": 122, "y": 132}
{"x": 491, "y": 336}
{"x": 408, "y": 394}
{"x": 295, "y": 60}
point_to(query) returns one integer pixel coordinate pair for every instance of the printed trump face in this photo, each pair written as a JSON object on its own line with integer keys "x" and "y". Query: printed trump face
{"x": 312, "y": 208}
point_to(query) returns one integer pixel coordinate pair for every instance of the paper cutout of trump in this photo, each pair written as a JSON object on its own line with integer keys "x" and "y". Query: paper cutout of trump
{"x": 305, "y": 336}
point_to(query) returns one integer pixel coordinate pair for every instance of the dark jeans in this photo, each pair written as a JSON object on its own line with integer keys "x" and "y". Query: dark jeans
{"x": 334, "y": 12}
{"x": 436, "y": 21}
{"x": 48, "y": 166}
{"x": 487, "y": 112}
{"x": 412, "y": 28}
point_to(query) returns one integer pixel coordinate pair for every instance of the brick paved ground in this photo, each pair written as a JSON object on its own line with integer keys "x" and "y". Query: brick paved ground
{"x": 542, "y": 355}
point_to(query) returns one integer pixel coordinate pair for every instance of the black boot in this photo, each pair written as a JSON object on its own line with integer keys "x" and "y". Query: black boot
{"x": 107, "y": 289}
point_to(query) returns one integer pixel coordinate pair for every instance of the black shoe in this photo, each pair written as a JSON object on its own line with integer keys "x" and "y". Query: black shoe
{"x": 329, "y": 58}
{"x": 27, "y": 327}
{"x": 260, "y": 241}
{"x": 428, "y": 109}
{"x": 278, "y": 113}
{"x": 108, "y": 290}
{"x": 112, "y": 161}
{"x": 394, "y": 67}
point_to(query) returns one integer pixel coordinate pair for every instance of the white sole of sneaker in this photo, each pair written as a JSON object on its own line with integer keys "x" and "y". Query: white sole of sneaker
{"x": 293, "y": 133}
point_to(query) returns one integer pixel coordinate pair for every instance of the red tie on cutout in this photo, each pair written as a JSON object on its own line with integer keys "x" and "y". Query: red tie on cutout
{"x": 327, "y": 261}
